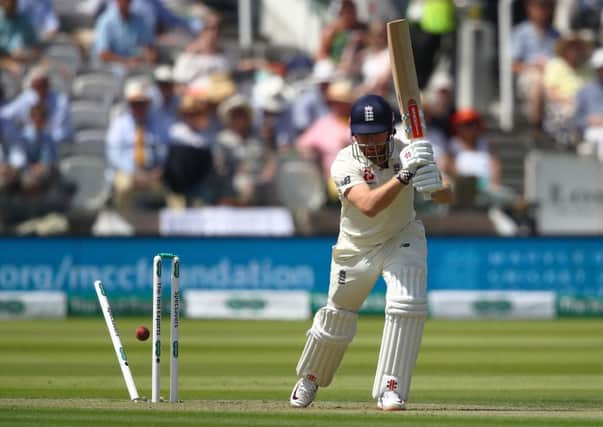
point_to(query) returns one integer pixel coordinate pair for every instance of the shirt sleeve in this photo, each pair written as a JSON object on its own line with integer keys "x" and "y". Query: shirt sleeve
{"x": 169, "y": 19}
{"x": 307, "y": 140}
{"x": 579, "y": 120}
{"x": 30, "y": 38}
{"x": 61, "y": 119}
{"x": 147, "y": 36}
{"x": 301, "y": 116}
{"x": 115, "y": 147}
{"x": 18, "y": 109}
{"x": 517, "y": 49}
{"x": 16, "y": 156}
{"x": 101, "y": 39}
{"x": 345, "y": 173}
{"x": 183, "y": 68}
{"x": 51, "y": 22}
{"x": 554, "y": 73}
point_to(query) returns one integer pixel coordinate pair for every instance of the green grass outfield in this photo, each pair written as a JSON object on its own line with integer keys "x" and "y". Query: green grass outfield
{"x": 487, "y": 373}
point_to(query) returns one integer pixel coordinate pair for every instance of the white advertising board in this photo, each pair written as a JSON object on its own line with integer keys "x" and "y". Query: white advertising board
{"x": 252, "y": 304}
{"x": 568, "y": 191}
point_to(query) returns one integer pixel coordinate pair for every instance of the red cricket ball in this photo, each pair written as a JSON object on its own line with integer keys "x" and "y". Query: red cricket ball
{"x": 142, "y": 333}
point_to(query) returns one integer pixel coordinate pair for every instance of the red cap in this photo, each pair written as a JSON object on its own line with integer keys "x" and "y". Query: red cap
{"x": 464, "y": 116}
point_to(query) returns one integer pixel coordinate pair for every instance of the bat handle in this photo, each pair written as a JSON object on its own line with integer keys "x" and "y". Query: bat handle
{"x": 427, "y": 196}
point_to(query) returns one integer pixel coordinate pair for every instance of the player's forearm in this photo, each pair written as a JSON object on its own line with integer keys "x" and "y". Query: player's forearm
{"x": 150, "y": 55}
{"x": 372, "y": 202}
{"x": 496, "y": 168}
{"x": 518, "y": 67}
{"x": 443, "y": 196}
{"x": 108, "y": 56}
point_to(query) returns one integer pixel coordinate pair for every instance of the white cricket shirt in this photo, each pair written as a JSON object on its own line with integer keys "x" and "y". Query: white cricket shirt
{"x": 357, "y": 230}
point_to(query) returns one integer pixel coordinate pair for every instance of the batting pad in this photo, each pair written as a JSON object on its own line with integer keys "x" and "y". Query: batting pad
{"x": 332, "y": 330}
{"x": 405, "y": 315}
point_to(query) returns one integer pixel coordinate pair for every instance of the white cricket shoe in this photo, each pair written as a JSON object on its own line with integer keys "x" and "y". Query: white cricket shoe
{"x": 303, "y": 393}
{"x": 390, "y": 401}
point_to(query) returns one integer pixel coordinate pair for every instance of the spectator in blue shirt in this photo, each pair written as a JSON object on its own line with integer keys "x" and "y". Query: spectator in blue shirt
{"x": 42, "y": 16}
{"x": 588, "y": 117}
{"x": 311, "y": 104}
{"x": 123, "y": 38}
{"x": 35, "y": 153}
{"x": 18, "y": 41}
{"x": 158, "y": 17}
{"x": 8, "y": 173}
{"x": 136, "y": 148}
{"x": 38, "y": 188}
{"x": 588, "y": 14}
{"x": 16, "y": 113}
{"x": 532, "y": 45}
{"x": 165, "y": 100}
{"x": 36, "y": 143}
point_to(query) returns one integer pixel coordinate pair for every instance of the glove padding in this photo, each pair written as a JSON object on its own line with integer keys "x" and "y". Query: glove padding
{"x": 427, "y": 179}
{"x": 418, "y": 153}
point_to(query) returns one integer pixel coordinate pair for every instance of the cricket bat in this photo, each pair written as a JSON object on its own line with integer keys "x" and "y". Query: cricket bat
{"x": 405, "y": 81}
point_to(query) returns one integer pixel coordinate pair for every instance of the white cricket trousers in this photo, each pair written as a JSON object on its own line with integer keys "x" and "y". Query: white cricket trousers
{"x": 353, "y": 274}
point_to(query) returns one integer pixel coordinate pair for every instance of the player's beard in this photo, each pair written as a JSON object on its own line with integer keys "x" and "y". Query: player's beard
{"x": 373, "y": 154}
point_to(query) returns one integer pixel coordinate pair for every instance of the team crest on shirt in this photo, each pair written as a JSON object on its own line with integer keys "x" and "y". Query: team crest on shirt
{"x": 368, "y": 175}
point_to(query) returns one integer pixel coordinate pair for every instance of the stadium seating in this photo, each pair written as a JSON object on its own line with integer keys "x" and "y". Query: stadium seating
{"x": 86, "y": 114}
{"x": 93, "y": 190}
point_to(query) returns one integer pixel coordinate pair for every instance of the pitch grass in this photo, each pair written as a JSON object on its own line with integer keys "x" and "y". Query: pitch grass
{"x": 240, "y": 373}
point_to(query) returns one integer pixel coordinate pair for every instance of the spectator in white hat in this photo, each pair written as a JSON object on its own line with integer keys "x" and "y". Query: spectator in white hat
{"x": 165, "y": 100}
{"x": 136, "y": 149}
{"x": 271, "y": 102}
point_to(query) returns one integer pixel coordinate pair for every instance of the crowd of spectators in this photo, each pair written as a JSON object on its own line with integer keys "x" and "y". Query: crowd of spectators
{"x": 180, "y": 121}
{"x": 557, "y": 71}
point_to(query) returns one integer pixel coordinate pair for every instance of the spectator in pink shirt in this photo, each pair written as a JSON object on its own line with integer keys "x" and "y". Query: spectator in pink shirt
{"x": 327, "y": 135}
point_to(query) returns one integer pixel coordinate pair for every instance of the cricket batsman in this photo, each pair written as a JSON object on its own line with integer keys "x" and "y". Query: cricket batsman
{"x": 378, "y": 234}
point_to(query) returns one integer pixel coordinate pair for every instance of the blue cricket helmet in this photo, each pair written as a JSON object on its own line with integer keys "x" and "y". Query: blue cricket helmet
{"x": 371, "y": 114}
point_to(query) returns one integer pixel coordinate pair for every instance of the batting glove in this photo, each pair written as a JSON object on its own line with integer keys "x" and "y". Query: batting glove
{"x": 416, "y": 154}
{"x": 427, "y": 179}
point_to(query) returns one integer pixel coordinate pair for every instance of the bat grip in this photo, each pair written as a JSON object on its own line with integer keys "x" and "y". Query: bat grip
{"x": 426, "y": 196}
